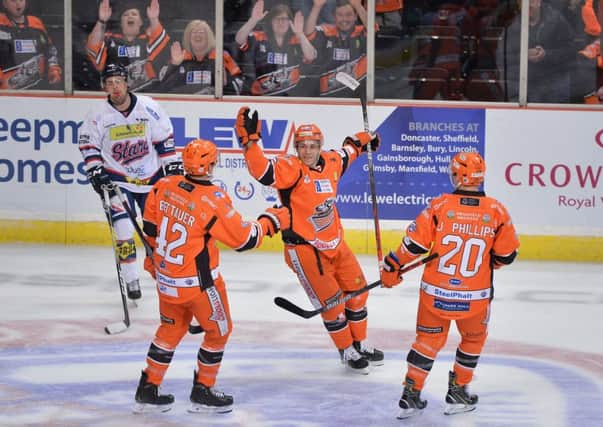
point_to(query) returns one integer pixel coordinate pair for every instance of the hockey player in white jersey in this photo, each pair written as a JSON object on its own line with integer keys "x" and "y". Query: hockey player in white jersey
{"x": 128, "y": 141}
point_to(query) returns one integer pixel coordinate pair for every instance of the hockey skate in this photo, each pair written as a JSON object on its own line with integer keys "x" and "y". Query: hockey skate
{"x": 208, "y": 400}
{"x": 410, "y": 403}
{"x": 354, "y": 361}
{"x": 374, "y": 356}
{"x": 133, "y": 288}
{"x": 458, "y": 399}
{"x": 148, "y": 398}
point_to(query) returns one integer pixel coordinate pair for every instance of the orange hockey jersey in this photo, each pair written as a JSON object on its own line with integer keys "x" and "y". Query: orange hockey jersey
{"x": 308, "y": 192}
{"x": 466, "y": 229}
{"x": 186, "y": 220}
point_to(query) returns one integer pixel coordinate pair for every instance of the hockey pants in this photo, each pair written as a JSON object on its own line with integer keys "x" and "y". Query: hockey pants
{"x": 212, "y": 311}
{"x": 326, "y": 279}
{"x": 432, "y": 333}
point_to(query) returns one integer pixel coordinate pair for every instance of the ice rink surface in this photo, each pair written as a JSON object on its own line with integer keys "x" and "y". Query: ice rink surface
{"x": 542, "y": 364}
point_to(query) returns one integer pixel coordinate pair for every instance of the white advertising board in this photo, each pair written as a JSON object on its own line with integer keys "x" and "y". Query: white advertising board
{"x": 547, "y": 167}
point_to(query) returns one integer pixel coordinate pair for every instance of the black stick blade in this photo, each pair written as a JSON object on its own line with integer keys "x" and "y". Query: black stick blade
{"x": 292, "y": 308}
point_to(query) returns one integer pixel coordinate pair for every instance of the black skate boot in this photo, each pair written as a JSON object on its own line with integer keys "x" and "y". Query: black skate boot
{"x": 133, "y": 289}
{"x": 354, "y": 360}
{"x": 207, "y": 399}
{"x": 374, "y": 356}
{"x": 410, "y": 403}
{"x": 148, "y": 398}
{"x": 458, "y": 399}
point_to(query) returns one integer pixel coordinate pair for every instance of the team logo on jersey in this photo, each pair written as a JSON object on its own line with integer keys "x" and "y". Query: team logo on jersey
{"x": 486, "y": 218}
{"x": 450, "y": 214}
{"x": 153, "y": 113}
{"x": 324, "y": 214}
{"x": 220, "y": 183}
{"x": 269, "y": 193}
{"x": 127, "y": 131}
{"x": 323, "y": 186}
{"x": 244, "y": 191}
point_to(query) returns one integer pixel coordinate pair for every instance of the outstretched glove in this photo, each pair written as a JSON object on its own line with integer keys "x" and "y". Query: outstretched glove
{"x": 361, "y": 140}
{"x": 174, "y": 168}
{"x": 248, "y": 128}
{"x": 275, "y": 219}
{"x": 99, "y": 177}
{"x": 390, "y": 275}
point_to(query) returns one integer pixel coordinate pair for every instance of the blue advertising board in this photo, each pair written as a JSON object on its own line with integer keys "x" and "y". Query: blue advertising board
{"x": 411, "y": 165}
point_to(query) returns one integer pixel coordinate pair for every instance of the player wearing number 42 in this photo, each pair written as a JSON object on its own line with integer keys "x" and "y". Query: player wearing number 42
{"x": 184, "y": 218}
{"x": 457, "y": 286}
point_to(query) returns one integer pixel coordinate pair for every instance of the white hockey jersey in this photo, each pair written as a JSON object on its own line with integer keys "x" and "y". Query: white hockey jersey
{"x": 132, "y": 149}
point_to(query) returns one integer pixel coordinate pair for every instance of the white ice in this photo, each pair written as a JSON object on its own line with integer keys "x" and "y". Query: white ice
{"x": 542, "y": 364}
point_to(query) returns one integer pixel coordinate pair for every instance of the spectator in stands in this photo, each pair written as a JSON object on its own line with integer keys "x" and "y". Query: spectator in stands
{"x": 550, "y": 49}
{"x": 131, "y": 47}
{"x": 191, "y": 68}
{"x": 341, "y": 46}
{"x": 272, "y": 57}
{"x": 28, "y": 57}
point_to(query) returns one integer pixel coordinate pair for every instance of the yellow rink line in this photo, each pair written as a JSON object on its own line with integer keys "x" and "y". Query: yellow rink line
{"x": 533, "y": 247}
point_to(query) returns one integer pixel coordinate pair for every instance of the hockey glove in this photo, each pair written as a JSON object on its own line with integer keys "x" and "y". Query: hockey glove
{"x": 99, "y": 178}
{"x": 248, "y": 128}
{"x": 275, "y": 219}
{"x": 390, "y": 275}
{"x": 174, "y": 168}
{"x": 361, "y": 140}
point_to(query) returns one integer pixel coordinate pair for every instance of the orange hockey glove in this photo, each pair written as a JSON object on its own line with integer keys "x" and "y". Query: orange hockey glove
{"x": 361, "y": 140}
{"x": 390, "y": 275}
{"x": 275, "y": 219}
{"x": 54, "y": 74}
{"x": 248, "y": 128}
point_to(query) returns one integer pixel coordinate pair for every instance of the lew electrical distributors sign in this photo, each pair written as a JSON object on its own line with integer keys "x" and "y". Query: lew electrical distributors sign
{"x": 546, "y": 166}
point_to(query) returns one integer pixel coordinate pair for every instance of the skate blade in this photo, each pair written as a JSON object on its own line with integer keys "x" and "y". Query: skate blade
{"x": 361, "y": 371}
{"x": 407, "y": 413}
{"x": 376, "y": 362}
{"x": 147, "y": 408}
{"x": 197, "y": 408}
{"x": 458, "y": 408}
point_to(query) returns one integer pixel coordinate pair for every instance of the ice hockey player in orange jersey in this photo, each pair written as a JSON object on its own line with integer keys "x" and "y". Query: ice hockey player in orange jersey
{"x": 315, "y": 249}
{"x": 473, "y": 235}
{"x": 184, "y": 218}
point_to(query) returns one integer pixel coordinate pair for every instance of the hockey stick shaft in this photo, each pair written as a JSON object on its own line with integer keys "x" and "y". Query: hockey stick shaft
{"x": 360, "y": 90}
{"x": 122, "y": 288}
{"x": 371, "y": 171}
{"x": 306, "y": 314}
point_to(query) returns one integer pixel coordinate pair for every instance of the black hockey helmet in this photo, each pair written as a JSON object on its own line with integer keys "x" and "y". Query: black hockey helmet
{"x": 114, "y": 70}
